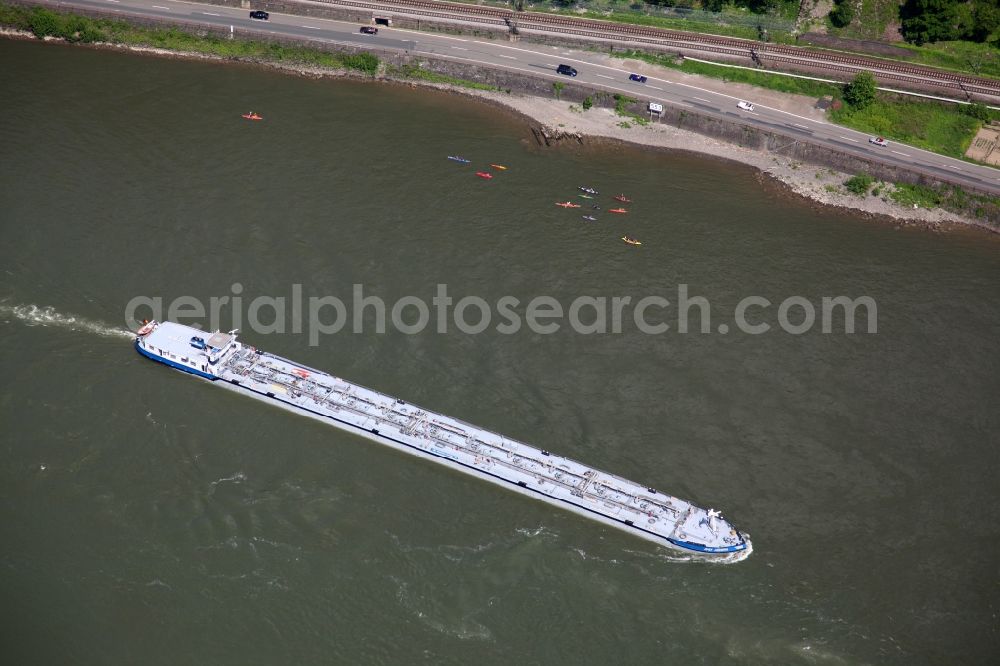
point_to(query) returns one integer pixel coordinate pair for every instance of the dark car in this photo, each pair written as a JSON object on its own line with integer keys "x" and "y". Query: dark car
{"x": 638, "y": 78}
{"x": 566, "y": 69}
{"x": 259, "y": 15}
{"x": 369, "y": 30}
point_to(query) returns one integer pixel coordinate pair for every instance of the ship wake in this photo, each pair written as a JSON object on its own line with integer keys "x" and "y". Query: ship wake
{"x": 34, "y": 315}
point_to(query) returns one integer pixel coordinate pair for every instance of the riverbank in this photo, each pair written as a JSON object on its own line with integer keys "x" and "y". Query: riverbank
{"x": 821, "y": 185}
{"x": 560, "y": 121}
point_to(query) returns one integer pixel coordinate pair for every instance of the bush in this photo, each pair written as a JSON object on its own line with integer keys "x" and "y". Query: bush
{"x": 622, "y": 103}
{"x": 859, "y": 184}
{"x": 74, "y": 28}
{"x": 587, "y": 103}
{"x": 860, "y": 93}
{"x": 978, "y": 111}
{"x": 43, "y": 23}
{"x": 91, "y": 34}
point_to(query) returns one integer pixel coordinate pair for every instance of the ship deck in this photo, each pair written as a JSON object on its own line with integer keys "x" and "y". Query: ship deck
{"x": 561, "y": 480}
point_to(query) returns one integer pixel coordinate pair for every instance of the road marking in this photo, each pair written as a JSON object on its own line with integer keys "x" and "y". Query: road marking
{"x": 112, "y": 0}
{"x": 798, "y": 125}
{"x": 952, "y": 166}
{"x": 850, "y": 139}
{"x": 899, "y": 153}
{"x": 606, "y": 77}
{"x": 210, "y": 14}
{"x": 654, "y": 88}
{"x": 459, "y": 48}
{"x": 702, "y": 99}
{"x": 160, "y": 7}
{"x": 311, "y": 27}
{"x": 500, "y": 55}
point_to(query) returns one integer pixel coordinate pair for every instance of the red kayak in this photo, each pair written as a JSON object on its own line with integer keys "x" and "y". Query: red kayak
{"x": 617, "y": 210}
{"x": 252, "y": 116}
{"x": 483, "y": 174}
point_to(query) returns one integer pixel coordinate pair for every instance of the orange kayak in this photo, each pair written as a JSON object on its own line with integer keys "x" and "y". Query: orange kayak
{"x": 617, "y": 210}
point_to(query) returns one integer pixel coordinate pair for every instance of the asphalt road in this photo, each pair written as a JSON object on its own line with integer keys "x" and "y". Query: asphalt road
{"x": 540, "y": 60}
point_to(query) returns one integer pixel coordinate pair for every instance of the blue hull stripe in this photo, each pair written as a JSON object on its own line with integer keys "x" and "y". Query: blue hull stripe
{"x": 172, "y": 364}
{"x": 705, "y": 549}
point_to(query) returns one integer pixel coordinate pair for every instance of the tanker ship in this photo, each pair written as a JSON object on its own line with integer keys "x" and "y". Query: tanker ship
{"x": 628, "y": 506}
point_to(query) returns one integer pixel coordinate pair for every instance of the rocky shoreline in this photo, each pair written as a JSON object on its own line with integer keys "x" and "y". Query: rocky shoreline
{"x": 554, "y": 122}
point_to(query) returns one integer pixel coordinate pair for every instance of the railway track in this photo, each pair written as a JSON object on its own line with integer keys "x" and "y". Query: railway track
{"x": 840, "y": 63}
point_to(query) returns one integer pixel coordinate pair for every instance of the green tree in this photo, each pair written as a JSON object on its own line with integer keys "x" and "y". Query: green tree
{"x": 860, "y": 93}
{"x": 986, "y": 21}
{"x": 842, "y": 13}
{"x": 930, "y": 20}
